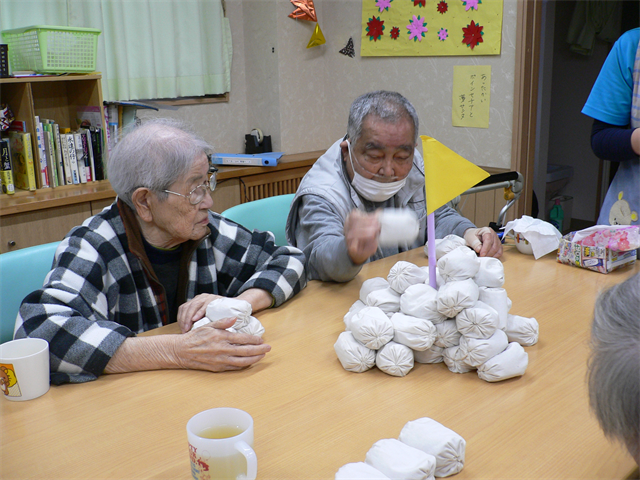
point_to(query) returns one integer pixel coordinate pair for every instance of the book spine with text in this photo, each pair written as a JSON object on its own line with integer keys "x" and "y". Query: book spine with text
{"x": 6, "y": 174}
{"x": 62, "y": 178}
{"x": 22, "y": 156}
{"x": 43, "y": 177}
{"x": 82, "y": 169}
{"x": 73, "y": 161}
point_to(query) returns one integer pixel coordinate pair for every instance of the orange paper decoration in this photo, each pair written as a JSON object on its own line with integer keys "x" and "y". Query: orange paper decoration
{"x": 305, "y": 10}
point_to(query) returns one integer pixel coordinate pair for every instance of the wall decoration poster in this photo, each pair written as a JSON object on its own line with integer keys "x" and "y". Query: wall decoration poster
{"x": 471, "y": 96}
{"x": 431, "y": 27}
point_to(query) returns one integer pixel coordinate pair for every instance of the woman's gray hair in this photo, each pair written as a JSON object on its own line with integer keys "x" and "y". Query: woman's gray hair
{"x": 155, "y": 155}
{"x": 388, "y": 106}
{"x": 614, "y": 366}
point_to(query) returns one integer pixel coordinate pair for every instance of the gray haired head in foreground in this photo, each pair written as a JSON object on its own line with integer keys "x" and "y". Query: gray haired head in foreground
{"x": 614, "y": 366}
{"x": 388, "y": 106}
{"x": 154, "y": 154}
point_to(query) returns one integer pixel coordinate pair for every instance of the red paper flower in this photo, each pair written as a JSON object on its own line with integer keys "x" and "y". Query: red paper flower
{"x": 395, "y": 32}
{"x": 472, "y": 34}
{"x": 419, "y": 3}
{"x": 375, "y": 27}
{"x": 443, "y": 7}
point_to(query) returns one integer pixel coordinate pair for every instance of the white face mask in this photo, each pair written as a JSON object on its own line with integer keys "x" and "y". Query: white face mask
{"x": 369, "y": 188}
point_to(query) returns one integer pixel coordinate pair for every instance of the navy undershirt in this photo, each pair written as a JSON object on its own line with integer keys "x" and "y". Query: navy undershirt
{"x": 612, "y": 142}
{"x": 166, "y": 265}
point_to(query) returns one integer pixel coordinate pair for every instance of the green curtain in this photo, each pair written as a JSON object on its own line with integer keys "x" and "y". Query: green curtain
{"x": 148, "y": 48}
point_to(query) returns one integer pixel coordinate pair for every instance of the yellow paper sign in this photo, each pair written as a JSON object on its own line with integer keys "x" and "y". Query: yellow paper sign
{"x": 446, "y": 174}
{"x": 471, "y": 96}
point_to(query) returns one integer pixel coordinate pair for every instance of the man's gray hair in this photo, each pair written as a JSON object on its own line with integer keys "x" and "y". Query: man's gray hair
{"x": 154, "y": 154}
{"x": 388, "y": 106}
{"x": 614, "y": 366}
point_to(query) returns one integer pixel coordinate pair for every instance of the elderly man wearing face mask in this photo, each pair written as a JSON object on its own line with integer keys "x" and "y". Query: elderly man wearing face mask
{"x": 333, "y": 216}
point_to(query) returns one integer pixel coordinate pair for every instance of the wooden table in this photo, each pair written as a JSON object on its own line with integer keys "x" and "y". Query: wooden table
{"x": 312, "y": 417}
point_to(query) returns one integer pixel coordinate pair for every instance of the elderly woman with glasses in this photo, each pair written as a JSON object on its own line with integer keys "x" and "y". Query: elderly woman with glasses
{"x": 157, "y": 255}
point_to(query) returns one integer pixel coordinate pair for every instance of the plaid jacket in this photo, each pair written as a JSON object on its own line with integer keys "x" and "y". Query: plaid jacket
{"x": 102, "y": 288}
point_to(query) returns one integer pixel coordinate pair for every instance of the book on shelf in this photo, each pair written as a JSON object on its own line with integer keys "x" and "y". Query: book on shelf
{"x": 22, "y": 156}
{"x": 97, "y": 147}
{"x": 6, "y": 173}
{"x": 80, "y": 158}
{"x": 73, "y": 160}
{"x": 18, "y": 126}
{"x": 52, "y": 168}
{"x": 42, "y": 180}
{"x": 88, "y": 148}
{"x": 64, "y": 178}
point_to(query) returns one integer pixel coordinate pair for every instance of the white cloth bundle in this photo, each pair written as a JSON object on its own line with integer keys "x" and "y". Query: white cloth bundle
{"x": 447, "y": 334}
{"x": 353, "y": 356}
{"x": 404, "y": 274}
{"x": 359, "y": 471}
{"x": 455, "y": 360}
{"x": 371, "y": 284}
{"x": 355, "y": 308}
{"x": 398, "y": 226}
{"x": 226, "y": 307}
{"x": 371, "y": 327}
{"x": 445, "y": 245}
{"x": 398, "y": 460}
{"x": 523, "y": 330}
{"x": 439, "y": 279}
{"x": 479, "y": 321}
{"x": 254, "y": 327}
{"x": 421, "y": 301}
{"x": 455, "y": 296}
{"x": 496, "y": 298}
{"x": 395, "y": 359}
{"x": 459, "y": 264}
{"x": 431, "y": 355}
{"x": 510, "y": 363}
{"x": 478, "y": 350}
{"x": 416, "y": 333}
{"x": 386, "y": 299}
{"x": 435, "y": 439}
{"x": 491, "y": 272}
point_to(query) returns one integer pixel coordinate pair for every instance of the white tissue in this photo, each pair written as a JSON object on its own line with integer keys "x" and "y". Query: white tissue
{"x": 491, "y": 272}
{"x": 386, "y": 299}
{"x": 477, "y": 351}
{"x": 404, "y": 274}
{"x": 459, "y": 264}
{"x": 455, "y": 296}
{"x": 454, "y": 359}
{"x": 435, "y": 439}
{"x": 543, "y": 237}
{"x": 498, "y": 300}
{"x": 398, "y": 226}
{"x": 523, "y": 330}
{"x": 359, "y": 471}
{"x": 371, "y": 327}
{"x": 447, "y": 334}
{"x": 254, "y": 327}
{"x": 354, "y": 356}
{"x": 397, "y": 460}
{"x": 226, "y": 307}
{"x": 510, "y": 363}
{"x": 421, "y": 301}
{"x": 368, "y": 286}
{"x": 479, "y": 321}
{"x": 395, "y": 359}
{"x": 416, "y": 333}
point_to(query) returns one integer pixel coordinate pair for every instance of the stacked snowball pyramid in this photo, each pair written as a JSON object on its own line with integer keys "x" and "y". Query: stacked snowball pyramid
{"x": 464, "y": 323}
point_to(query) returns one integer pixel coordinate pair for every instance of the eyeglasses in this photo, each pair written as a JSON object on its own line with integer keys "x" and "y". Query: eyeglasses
{"x": 197, "y": 195}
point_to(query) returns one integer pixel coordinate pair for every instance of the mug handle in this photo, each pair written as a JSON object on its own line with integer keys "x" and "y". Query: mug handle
{"x": 252, "y": 461}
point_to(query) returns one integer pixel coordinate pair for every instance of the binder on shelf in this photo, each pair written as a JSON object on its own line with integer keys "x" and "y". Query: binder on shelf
{"x": 269, "y": 159}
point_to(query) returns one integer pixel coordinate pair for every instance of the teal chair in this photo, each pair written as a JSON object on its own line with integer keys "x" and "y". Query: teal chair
{"x": 265, "y": 214}
{"x": 21, "y": 272}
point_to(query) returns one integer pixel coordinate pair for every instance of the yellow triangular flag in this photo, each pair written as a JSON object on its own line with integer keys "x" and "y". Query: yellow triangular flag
{"x": 446, "y": 174}
{"x": 317, "y": 38}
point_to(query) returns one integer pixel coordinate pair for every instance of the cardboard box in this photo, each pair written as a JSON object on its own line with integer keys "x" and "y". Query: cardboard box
{"x": 598, "y": 259}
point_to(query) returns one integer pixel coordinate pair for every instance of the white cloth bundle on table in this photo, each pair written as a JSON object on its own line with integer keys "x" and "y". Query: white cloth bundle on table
{"x": 398, "y": 226}
{"x": 397, "y": 460}
{"x": 387, "y": 299}
{"x": 421, "y": 301}
{"x": 439, "y": 279}
{"x": 445, "y": 245}
{"x": 496, "y": 298}
{"x": 395, "y": 359}
{"x": 226, "y": 307}
{"x": 254, "y": 327}
{"x": 454, "y": 358}
{"x": 523, "y": 330}
{"x": 455, "y": 296}
{"x": 431, "y": 355}
{"x": 371, "y": 327}
{"x": 355, "y": 308}
{"x": 510, "y": 363}
{"x": 509, "y": 304}
{"x": 479, "y": 321}
{"x": 491, "y": 273}
{"x": 404, "y": 274}
{"x": 447, "y": 334}
{"x": 479, "y": 350}
{"x": 353, "y": 356}
{"x": 435, "y": 439}
{"x": 371, "y": 284}
{"x": 416, "y": 333}
{"x": 359, "y": 471}
{"x": 459, "y": 264}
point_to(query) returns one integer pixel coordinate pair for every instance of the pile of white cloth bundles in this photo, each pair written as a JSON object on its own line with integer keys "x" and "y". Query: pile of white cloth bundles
{"x": 464, "y": 323}
{"x": 425, "y": 449}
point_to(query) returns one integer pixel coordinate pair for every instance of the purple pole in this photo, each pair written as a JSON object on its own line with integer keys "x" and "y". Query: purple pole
{"x": 431, "y": 239}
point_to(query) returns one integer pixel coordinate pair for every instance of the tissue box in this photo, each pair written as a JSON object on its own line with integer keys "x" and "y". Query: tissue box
{"x": 599, "y": 259}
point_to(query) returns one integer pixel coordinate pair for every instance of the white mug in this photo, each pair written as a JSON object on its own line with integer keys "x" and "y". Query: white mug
{"x": 24, "y": 368}
{"x": 221, "y": 445}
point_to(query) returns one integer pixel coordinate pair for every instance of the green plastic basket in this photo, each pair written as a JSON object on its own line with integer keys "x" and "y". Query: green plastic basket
{"x": 49, "y": 49}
